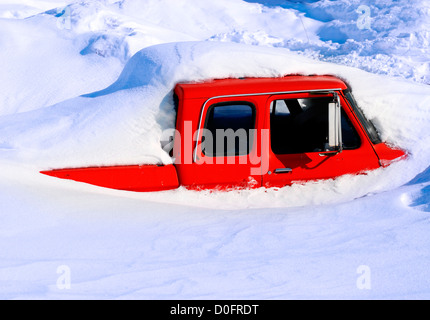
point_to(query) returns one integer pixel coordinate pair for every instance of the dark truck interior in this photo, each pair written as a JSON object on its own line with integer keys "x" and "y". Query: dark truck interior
{"x": 301, "y": 126}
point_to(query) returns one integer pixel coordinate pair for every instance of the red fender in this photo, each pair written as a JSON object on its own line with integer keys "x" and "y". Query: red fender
{"x": 142, "y": 178}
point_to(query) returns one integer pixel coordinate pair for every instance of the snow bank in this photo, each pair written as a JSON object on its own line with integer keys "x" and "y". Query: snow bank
{"x": 21, "y": 9}
{"x": 123, "y": 123}
{"x": 68, "y": 98}
{"x": 384, "y": 37}
{"x": 92, "y": 40}
{"x": 41, "y": 65}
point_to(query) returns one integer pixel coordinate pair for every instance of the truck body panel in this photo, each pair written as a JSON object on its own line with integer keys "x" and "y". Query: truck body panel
{"x": 145, "y": 178}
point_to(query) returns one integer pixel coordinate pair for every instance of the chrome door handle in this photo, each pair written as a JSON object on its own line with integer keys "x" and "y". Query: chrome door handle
{"x": 285, "y": 170}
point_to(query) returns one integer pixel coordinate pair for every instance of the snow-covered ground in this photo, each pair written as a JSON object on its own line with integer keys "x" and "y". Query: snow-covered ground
{"x": 89, "y": 83}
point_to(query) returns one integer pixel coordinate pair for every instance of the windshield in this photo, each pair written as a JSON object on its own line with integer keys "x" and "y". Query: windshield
{"x": 371, "y": 131}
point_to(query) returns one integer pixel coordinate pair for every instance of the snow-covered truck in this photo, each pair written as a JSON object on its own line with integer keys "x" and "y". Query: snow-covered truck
{"x": 252, "y": 133}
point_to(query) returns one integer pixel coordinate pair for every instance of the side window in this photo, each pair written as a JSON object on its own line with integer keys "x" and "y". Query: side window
{"x": 304, "y": 127}
{"x": 229, "y": 129}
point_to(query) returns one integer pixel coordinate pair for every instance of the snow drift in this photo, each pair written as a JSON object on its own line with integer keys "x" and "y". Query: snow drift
{"x": 123, "y": 123}
{"x": 77, "y": 89}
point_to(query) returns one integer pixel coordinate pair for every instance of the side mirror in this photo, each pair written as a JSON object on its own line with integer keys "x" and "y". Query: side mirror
{"x": 334, "y": 145}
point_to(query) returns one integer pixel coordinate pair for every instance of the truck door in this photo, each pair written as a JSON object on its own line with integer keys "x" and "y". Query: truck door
{"x": 299, "y": 136}
{"x": 226, "y": 145}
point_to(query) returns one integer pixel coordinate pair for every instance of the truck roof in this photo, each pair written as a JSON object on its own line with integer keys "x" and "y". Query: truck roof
{"x": 234, "y": 86}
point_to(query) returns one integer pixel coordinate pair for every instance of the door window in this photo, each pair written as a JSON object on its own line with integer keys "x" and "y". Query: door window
{"x": 301, "y": 126}
{"x": 229, "y": 129}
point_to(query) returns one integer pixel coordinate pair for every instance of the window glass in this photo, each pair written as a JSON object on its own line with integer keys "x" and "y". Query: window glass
{"x": 370, "y": 129}
{"x": 229, "y": 129}
{"x": 350, "y": 138}
{"x": 304, "y": 128}
{"x": 281, "y": 107}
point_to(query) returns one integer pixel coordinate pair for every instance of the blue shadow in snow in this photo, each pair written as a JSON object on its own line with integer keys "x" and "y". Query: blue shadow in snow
{"x": 141, "y": 70}
{"x": 327, "y": 33}
{"x": 300, "y": 5}
{"x": 423, "y": 199}
{"x": 423, "y": 177}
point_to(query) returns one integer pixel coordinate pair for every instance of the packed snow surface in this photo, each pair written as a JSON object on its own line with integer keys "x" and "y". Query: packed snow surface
{"x": 90, "y": 83}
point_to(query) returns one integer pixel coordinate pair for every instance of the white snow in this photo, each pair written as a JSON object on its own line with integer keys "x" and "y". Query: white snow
{"x": 89, "y": 83}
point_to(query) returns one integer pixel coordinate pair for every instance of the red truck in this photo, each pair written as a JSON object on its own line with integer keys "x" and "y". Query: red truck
{"x": 252, "y": 133}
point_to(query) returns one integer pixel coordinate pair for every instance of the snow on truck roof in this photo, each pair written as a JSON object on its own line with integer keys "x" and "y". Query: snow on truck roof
{"x": 123, "y": 123}
{"x": 230, "y": 86}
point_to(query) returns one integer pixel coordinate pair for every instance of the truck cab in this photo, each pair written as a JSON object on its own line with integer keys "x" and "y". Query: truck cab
{"x": 256, "y": 132}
